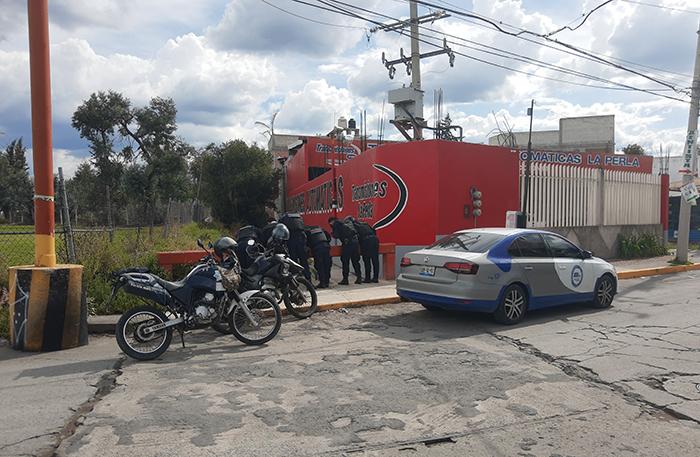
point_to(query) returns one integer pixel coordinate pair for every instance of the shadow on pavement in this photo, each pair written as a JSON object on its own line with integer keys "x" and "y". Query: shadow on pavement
{"x": 86, "y": 368}
{"x": 423, "y": 325}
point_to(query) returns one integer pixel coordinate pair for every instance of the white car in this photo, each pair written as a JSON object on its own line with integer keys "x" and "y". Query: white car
{"x": 505, "y": 272}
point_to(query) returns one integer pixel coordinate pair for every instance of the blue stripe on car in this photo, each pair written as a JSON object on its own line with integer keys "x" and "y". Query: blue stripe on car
{"x": 490, "y": 306}
{"x": 498, "y": 254}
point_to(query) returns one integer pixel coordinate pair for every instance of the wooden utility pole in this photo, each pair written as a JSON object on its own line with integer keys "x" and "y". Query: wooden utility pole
{"x": 690, "y": 165}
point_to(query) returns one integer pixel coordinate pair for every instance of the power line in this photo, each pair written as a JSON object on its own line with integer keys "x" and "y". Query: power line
{"x": 663, "y": 7}
{"x": 560, "y": 43}
{"x": 561, "y": 69}
{"x": 687, "y": 76}
{"x": 333, "y": 4}
{"x": 583, "y": 21}
{"x": 345, "y": 26}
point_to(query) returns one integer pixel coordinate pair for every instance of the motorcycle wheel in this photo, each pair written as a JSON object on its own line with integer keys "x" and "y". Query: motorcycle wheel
{"x": 136, "y": 344}
{"x": 301, "y": 301}
{"x": 265, "y": 311}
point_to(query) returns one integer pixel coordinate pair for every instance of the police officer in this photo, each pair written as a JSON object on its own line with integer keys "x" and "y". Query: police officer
{"x": 369, "y": 246}
{"x": 319, "y": 244}
{"x": 297, "y": 241}
{"x": 249, "y": 232}
{"x": 346, "y": 233}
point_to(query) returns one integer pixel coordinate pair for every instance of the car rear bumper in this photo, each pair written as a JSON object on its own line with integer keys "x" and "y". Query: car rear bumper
{"x": 451, "y": 303}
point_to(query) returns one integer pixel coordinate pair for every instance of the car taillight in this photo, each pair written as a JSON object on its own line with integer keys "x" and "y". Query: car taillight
{"x": 465, "y": 268}
{"x": 406, "y": 262}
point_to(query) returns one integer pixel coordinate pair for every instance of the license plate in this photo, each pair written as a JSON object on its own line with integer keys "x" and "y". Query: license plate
{"x": 427, "y": 271}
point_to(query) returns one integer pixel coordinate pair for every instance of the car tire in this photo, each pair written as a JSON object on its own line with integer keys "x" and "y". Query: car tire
{"x": 432, "y": 309}
{"x": 604, "y": 292}
{"x": 513, "y": 305}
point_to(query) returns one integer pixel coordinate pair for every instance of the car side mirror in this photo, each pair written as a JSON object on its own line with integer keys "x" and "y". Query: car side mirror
{"x": 586, "y": 254}
{"x": 199, "y": 243}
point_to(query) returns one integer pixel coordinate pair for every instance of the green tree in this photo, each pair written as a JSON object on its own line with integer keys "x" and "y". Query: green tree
{"x": 238, "y": 182}
{"x": 16, "y": 188}
{"x": 633, "y": 149}
{"x": 82, "y": 189}
{"x": 143, "y": 137}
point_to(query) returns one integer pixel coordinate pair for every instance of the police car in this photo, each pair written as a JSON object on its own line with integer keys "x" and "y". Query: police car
{"x": 505, "y": 272}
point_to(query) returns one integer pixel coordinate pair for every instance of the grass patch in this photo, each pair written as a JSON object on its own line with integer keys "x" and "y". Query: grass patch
{"x": 637, "y": 246}
{"x": 100, "y": 256}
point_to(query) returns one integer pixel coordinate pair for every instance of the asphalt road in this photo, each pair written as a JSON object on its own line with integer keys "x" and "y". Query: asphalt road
{"x": 398, "y": 380}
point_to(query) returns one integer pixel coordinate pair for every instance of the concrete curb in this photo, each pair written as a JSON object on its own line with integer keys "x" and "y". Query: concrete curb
{"x": 108, "y": 324}
{"x": 631, "y": 274}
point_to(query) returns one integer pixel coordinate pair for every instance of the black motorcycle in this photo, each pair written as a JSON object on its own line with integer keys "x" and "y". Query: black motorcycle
{"x": 197, "y": 301}
{"x": 275, "y": 274}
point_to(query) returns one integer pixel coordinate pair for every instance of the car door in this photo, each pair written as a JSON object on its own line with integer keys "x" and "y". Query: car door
{"x": 532, "y": 257}
{"x": 575, "y": 274}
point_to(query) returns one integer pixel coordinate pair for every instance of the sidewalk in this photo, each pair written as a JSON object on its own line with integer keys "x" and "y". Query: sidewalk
{"x": 355, "y": 295}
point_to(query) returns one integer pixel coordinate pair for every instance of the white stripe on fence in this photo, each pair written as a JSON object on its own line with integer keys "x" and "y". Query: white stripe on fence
{"x": 568, "y": 196}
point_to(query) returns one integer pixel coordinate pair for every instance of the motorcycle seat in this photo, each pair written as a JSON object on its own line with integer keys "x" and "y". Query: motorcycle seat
{"x": 130, "y": 270}
{"x": 171, "y": 286}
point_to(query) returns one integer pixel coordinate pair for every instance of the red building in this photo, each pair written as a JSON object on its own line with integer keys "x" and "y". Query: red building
{"x": 416, "y": 192}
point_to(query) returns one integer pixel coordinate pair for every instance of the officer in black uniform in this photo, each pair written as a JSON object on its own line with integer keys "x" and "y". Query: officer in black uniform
{"x": 319, "y": 244}
{"x": 249, "y": 232}
{"x": 297, "y": 240}
{"x": 369, "y": 247}
{"x": 346, "y": 233}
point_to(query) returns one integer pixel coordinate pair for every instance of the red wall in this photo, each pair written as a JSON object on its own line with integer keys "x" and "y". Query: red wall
{"x": 492, "y": 170}
{"x": 437, "y": 176}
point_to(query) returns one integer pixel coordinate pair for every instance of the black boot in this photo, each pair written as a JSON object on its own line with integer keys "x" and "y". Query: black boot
{"x": 344, "y": 282}
{"x": 358, "y": 281}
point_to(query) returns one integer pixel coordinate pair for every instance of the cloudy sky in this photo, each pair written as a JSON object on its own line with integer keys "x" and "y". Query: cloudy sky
{"x": 229, "y": 63}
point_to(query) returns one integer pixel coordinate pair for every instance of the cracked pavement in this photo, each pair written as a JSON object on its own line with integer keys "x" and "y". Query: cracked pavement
{"x": 398, "y": 380}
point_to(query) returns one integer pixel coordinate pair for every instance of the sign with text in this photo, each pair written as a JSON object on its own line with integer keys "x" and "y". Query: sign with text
{"x": 688, "y": 152}
{"x": 690, "y": 192}
{"x": 627, "y": 162}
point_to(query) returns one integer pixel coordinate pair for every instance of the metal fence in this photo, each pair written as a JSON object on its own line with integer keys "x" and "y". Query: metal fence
{"x": 569, "y": 196}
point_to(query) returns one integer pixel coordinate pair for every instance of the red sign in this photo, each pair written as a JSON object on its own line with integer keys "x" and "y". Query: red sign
{"x": 627, "y": 162}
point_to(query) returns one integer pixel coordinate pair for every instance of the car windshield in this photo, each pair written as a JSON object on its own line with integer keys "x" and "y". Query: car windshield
{"x": 467, "y": 242}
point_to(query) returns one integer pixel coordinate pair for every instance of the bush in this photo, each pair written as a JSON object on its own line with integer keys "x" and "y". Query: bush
{"x": 636, "y": 246}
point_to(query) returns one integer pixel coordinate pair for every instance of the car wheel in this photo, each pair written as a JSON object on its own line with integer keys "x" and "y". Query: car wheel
{"x": 432, "y": 309}
{"x": 604, "y": 292}
{"x": 513, "y": 305}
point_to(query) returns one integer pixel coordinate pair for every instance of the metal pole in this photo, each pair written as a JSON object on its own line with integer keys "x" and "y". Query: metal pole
{"x": 68, "y": 230}
{"x": 40, "y": 77}
{"x": 690, "y": 160}
{"x": 526, "y": 191}
{"x": 415, "y": 62}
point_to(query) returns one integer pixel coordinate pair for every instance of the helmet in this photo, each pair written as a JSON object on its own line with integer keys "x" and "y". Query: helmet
{"x": 280, "y": 233}
{"x": 225, "y": 244}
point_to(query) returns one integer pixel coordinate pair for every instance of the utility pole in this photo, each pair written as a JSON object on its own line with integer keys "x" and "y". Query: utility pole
{"x": 690, "y": 167}
{"x": 408, "y": 102}
{"x": 528, "y": 161}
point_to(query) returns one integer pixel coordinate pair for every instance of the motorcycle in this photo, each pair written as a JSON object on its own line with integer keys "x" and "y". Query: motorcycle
{"x": 197, "y": 301}
{"x": 275, "y": 274}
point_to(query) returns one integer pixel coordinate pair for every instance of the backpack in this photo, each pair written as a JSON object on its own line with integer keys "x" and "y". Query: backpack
{"x": 347, "y": 229}
{"x": 316, "y": 235}
{"x": 293, "y": 221}
{"x": 364, "y": 230}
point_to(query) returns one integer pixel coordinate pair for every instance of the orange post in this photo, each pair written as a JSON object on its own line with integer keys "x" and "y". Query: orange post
{"x": 44, "y": 244}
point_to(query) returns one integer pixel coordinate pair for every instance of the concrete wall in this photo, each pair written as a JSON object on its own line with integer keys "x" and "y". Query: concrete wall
{"x": 603, "y": 240}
